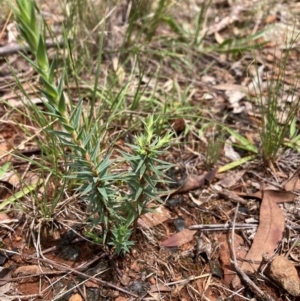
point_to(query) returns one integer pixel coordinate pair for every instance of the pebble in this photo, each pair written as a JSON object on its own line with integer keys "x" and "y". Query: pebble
{"x": 285, "y": 274}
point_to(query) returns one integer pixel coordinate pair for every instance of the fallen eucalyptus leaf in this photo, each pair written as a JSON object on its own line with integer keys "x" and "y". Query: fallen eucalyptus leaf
{"x": 178, "y": 239}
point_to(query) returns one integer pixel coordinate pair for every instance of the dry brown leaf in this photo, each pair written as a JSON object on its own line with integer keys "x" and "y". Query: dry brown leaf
{"x": 30, "y": 270}
{"x": 151, "y": 219}
{"x": 225, "y": 258}
{"x": 178, "y": 125}
{"x": 230, "y": 87}
{"x": 234, "y": 98}
{"x": 125, "y": 279}
{"x": 4, "y": 217}
{"x": 219, "y": 38}
{"x": 120, "y": 298}
{"x": 210, "y": 175}
{"x": 231, "y": 179}
{"x": 91, "y": 284}
{"x": 232, "y": 196}
{"x": 294, "y": 182}
{"x": 269, "y": 232}
{"x": 135, "y": 266}
{"x": 277, "y": 195}
{"x": 193, "y": 182}
{"x": 229, "y": 150}
{"x": 5, "y": 275}
{"x": 227, "y": 20}
{"x": 119, "y": 70}
{"x": 75, "y": 297}
{"x": 159, "y": 287}
{"x": 271, "y": 19}
{"x": 178, "y": 239}
{"x": 282, "y": 34}
{"x": 210, "y": 294}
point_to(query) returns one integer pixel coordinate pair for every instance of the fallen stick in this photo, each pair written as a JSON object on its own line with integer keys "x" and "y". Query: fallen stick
{"x": 222, "y": 227}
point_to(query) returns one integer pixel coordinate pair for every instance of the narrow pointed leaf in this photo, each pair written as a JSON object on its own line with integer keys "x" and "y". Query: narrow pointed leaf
{"x": 41, "y": 56}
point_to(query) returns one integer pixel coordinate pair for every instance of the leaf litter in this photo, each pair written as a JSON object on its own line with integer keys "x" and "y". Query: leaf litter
{"x": 269, "y": 232}
{"x": 177, "y": 266}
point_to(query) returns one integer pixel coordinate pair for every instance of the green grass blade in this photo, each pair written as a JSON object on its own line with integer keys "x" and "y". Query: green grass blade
{"x": 18, "y": 195}
{"x": 236, "y": 163}
{"x": 4, "y": 168}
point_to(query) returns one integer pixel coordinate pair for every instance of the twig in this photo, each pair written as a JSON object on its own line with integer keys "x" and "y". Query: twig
{"x": 221, "y": 227}
{"x": 292, "y": 247}
{"x": 61, "y": 266}
{"x": 66, "y": 269}
{"x": 6, "y": 22}
{"x": 78, "y": 287}
{"x": 231, "y": 196}
{"x": 25, "y": 297}
{"x": 240, "y": 272}
{"x": 22, "y": 278}
{"x": 187, "y": 279}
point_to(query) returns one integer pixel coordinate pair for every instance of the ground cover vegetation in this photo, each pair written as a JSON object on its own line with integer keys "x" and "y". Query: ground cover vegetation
{"x": 149, "y": 150}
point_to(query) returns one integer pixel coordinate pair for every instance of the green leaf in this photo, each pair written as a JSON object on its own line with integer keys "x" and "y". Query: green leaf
{"x": 103, "y": 192}
{"x": 141, "y": 163}
{"x": 61, "y": 107}
{"x": 32, "y": 22}
{"x": 68, "y": 127}
{"x": 87, "y": 174}
{"x": 88, "y": 189}
{"x": 41, "y": 56}
{"x": 236, "y": 163}
{"x": 4, "y": 168}
{"x": 30, "y": 36}
{"x": 76, "y": 115}
{"x": 95, "y": 153}
{"x": 244, "y": 143}
{"x": 51, "y": 72}
{"x": 49, "y": 102}
{"x": 86, "y": 138}
{"x": 138, "y": 193}
{"x": 293, "y": 128}
{"x": 18, "y": 195}
{"x": 295, "y": 139}
{"x": 71, "y": 145}
{"x": 25, "y": 9}
{"x": 50, "y": 92}
{"x": 96, "y": 239}
{"x": 102, "y": 168}
{"x": 61, "y": 134}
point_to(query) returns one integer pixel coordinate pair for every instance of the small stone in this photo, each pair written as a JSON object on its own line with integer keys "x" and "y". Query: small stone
{"x": 284, "y": 273}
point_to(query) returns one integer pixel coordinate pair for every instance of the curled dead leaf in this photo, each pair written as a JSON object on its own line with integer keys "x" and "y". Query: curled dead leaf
{"x": 193, "y": 182}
